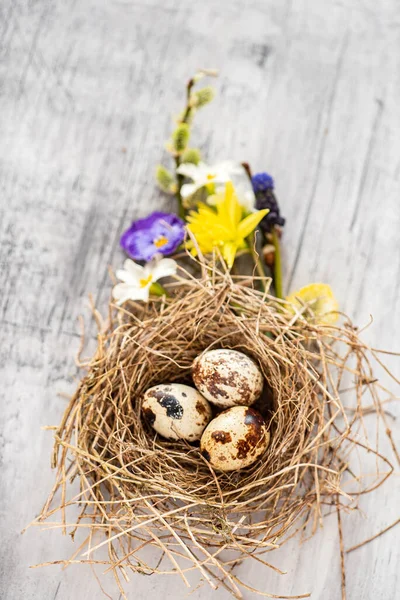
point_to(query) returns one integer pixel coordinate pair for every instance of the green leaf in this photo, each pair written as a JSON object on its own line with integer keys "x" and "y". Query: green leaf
{"x": 191, "y": 155}
{"x": 202, "y": 96}
{"x": 180, "y": 137}
{"x": 158, "y": 290}
{"x": 165, "y": 180}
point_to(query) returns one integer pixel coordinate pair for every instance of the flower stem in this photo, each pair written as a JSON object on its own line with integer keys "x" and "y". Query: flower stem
{"x": 179, "y": 181}
{"x": 277, "y": 265}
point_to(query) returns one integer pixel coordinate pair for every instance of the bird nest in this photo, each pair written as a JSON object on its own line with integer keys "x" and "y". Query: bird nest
{"x": 138, "y": 490}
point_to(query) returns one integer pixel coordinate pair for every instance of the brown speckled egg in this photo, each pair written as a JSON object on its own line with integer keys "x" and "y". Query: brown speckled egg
{"x": 176, "y": 411}
{"x": 227, "y": 378}
{"x": 234, "y": 439}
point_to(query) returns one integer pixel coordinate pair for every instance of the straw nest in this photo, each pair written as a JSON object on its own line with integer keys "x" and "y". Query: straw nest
{"x": 139, "y": 490}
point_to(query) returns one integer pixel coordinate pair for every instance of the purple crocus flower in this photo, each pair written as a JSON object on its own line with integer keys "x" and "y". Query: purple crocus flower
{"x": 159, "y": 233}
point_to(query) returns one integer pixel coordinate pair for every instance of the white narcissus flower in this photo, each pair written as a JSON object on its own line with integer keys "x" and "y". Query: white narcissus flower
{"x": 243, "y": 188}
{"x": 202, "y": 175}
{"x": 215, "y": 177}
{"x": 137, "y": 280}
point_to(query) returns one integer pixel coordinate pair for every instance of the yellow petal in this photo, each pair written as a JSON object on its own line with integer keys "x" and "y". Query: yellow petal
{"x": 234, "y": 208}
{"x": 229, "y": 253}
{"x": 224, "y": 205}
{"x": 250, "y": 222}
{"x": 320, "y": 299}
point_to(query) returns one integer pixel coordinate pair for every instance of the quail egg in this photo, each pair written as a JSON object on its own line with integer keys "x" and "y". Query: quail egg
{"x": 227, "y": 378}
{"x": 234, "y": 439}
{"x": 176, "y": 411}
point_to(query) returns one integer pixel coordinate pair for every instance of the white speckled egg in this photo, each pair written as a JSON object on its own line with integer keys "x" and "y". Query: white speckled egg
{"x": 227, "y": 378}
{"x": 234, "y": 439}
{"x": 176, "y": 411}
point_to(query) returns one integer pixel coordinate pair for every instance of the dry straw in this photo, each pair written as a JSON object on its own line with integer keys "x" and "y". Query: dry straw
{"x": 139, "y": 490}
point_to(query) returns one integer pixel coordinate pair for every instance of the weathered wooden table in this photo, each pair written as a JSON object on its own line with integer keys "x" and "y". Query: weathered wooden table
{"x": 308, "y": 91}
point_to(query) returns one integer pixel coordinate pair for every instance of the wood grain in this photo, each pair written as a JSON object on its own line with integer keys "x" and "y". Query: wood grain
{"x": 309, "y": 91}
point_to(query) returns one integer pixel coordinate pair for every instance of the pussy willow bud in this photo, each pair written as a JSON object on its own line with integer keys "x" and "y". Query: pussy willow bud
{"x": 202, "y": 96}
{"x": 165, "y": 180}
{"x": 191, "y": 155}
{"x": 196, "y": 77}
{"x": 180, "y": 137}
{"x": 208, "y": 72}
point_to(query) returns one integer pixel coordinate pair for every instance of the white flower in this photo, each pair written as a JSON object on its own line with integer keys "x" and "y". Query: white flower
{"x": 217, "y": 176}
{"x": 202, "y": 175}
{"x": 137, "y": 280}
{"x": 243, "y": 187}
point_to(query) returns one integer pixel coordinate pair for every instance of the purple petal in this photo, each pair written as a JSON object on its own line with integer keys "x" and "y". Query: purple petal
{"x": 159, "y": 233}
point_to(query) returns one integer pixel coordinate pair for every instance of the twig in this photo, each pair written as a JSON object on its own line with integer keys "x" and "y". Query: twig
{"x": 373, "y": 537}
{"x": 252, "y": 242}
{"x": 341, "y": 546}
{"x": 185, "y": 119}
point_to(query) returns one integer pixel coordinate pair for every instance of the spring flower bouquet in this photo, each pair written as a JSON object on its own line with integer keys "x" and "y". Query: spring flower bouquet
{"x": 217, "y": 417}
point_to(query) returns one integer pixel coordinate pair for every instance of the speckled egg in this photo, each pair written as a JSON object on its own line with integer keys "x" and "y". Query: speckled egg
{"x": 227, "y": 378}
{"x": 234, "y": 439}
{"x": 176, "y": 411}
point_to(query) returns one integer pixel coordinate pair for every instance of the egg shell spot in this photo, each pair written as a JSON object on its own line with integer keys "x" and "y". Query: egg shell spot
{"x": 221, "y": 436}
{"x": 172, "y": 406}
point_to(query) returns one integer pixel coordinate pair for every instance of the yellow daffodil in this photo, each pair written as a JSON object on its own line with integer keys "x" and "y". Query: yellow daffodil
{"x": 320, "y": 299}
{"x": 225, "y": 226}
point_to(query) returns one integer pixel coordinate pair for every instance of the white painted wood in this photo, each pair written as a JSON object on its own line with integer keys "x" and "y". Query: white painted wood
{"x": 309, "y": 91}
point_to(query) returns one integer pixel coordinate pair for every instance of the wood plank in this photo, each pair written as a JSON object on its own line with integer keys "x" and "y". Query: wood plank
{"x": 308, "y": 91}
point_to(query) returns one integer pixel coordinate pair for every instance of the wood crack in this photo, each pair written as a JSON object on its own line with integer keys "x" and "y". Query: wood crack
{"x": 367, "y": 160}
{"x": 320, "y": 158}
